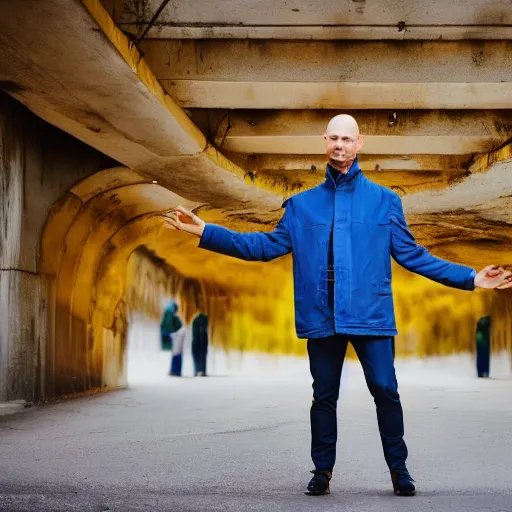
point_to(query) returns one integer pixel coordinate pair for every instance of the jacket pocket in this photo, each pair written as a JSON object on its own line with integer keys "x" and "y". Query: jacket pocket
{"x": 308, "y": 224}
{"x": 382, "y": 288}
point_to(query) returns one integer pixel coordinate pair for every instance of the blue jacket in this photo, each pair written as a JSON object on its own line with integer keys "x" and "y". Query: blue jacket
{"x": 369, "y": 229}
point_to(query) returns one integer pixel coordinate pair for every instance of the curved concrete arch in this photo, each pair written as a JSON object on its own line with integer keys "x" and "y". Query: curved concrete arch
{"x": 86, "y": 245}
{"x": 73, "y": 242}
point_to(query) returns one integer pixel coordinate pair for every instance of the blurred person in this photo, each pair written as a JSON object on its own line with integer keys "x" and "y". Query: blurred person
{"x": 178, "y": 342}
{"x": 169, "y": 325}
{"x": 200, "y": 343}
{"x": 343, "y": 234}
{"x": 483, "y": 346}
{"x": 173, "y": 334}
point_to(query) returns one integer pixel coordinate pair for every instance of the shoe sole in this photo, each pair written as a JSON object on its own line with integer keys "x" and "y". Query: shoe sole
{"x": 404, "y": 493}
{"x": 317, "y": 493}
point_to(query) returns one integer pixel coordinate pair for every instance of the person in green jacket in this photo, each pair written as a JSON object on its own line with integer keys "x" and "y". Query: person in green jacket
{"x": 170, "y": 324}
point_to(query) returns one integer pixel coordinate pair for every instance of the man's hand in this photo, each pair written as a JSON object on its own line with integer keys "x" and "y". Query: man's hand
{"x": 184, "y": 220}
{"x": 493, "y": 277}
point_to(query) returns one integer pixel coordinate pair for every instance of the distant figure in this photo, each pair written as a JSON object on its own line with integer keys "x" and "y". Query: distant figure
{"x": 200, "y": 344}
{"x": 169, "y": 325}
{"x": 178, "y": 341}
{"x": 172, "y": 334}
{"x": 483, "y": 346}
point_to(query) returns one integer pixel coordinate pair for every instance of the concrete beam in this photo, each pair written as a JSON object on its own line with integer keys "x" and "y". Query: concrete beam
{"x": 373, "y": 145}
{"x": 90, "y": 91}
{"x": 430, "y": 163}
{"x": 394, "y": 132}
{"x": 102, "y": 92}
{"x": 322, "y": 12}
{"x": 330, "y": 61}
{"x": 367, "y": 95}
{"x": 321, "y": 33}
{"x": 487, "y": 194}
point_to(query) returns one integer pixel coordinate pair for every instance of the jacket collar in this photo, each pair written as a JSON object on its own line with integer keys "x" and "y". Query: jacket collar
{"x": 334, "y": 179}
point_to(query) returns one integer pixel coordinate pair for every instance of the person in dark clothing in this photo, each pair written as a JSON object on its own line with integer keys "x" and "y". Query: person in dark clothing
{"x": 172, "y": 332}
{"x": 483, "y": 346}
{"x": 169, "y": 325}
{"x": 200, "y": 343}
{"x": 343, "y": 234}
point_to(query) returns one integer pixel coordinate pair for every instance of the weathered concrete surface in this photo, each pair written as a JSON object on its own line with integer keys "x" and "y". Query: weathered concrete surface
{"x": 324, "y": 12}
{"x": 323, "y": 21}
{"x": 342, "y": 95}
{"x": 102, "y": 92}
{"x": 338, "y": 95}
{"x": 374, "y": 144}
{"x": 242, "y": 443}
{"x": 473, "y": 217}
{"x": 393, "y": 132}
{"x": 23, "y": 324}
{"x": 341, "y": 61}
{"x": 402, "y": 182}
{"x": 232, "y": 74}
{"x": 37, "y": 165}
{"x": 103, "y": 95}
{"x": 479, "y": 192}
{"x": 320, "y": 33}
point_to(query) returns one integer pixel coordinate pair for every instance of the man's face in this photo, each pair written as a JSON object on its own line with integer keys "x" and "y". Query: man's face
{"x": 342, "y": 147}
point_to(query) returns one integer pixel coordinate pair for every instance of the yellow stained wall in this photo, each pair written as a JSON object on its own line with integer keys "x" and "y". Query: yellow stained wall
{"x": 102, "y": 275}
{"x": 432, "y": 319}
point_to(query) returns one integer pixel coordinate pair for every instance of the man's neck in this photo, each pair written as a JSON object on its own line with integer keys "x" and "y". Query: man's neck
{"x": 341, "y": 168}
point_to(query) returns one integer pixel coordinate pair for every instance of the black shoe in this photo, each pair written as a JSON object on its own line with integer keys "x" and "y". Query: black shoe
{"x": 319, "y": 484}
{"x": 403, "y": 484}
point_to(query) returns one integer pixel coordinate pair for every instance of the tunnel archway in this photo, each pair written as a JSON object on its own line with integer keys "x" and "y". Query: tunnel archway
{"x": 88, "y": 275}
{"x": 86, "y": 247}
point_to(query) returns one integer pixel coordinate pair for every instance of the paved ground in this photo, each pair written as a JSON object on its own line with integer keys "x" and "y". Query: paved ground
{"x": 240, "y": 443}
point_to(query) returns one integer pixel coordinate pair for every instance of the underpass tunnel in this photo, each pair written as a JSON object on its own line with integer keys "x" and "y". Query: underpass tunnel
{"x": 112, "y": 256}
{"x": 114, "y": 112}
{"x": 87, "y": 249}
{"x": 126, "y": 137}
{"x": 107, "y": 255}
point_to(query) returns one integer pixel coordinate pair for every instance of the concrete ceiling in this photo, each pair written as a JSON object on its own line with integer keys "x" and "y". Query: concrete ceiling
{"x": 262, "y": 79}
{"x": 329, "y": 13}
{"x": 431, "y": 89}
{"x": 226, "y": 102}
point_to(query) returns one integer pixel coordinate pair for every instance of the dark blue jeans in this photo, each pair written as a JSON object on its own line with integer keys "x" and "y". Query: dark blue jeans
{"x": 176, "y": 364}
{"x": 199, "y": 355}
{"x": 376, "y": 354}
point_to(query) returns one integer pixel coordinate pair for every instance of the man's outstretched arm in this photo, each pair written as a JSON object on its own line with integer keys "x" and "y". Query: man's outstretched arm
{"x": 245, "y": 246}
{"x": 416, "y": 258}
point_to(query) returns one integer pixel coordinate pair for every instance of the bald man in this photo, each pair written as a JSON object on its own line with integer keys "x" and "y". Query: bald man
{"x": 342, "y": 235}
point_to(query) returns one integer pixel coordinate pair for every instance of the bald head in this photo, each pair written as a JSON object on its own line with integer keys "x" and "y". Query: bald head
{"x": 343, "y": 141}
{"x": 343, "y": 124}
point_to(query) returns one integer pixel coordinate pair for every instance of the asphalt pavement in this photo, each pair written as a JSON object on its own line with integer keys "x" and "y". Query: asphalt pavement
{"x": 240, "y": 442}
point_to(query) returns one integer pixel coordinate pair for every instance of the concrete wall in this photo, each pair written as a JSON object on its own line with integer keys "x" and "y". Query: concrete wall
{"x": 38, "y": 164}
